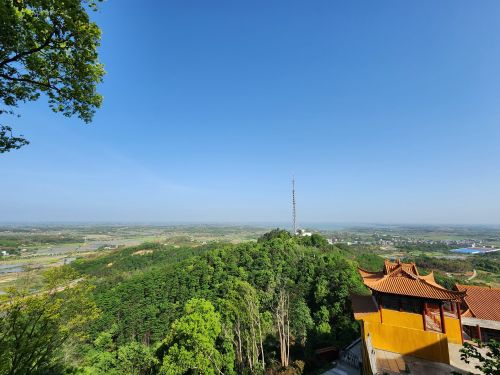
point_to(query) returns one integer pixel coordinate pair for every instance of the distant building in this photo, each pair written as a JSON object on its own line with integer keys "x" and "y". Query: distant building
{"x": 481, "y": 312}
{"x": 303, "y": 233}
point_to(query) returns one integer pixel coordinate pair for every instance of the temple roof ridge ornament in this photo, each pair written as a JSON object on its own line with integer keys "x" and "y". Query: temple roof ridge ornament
{"x": 404, "y": 279}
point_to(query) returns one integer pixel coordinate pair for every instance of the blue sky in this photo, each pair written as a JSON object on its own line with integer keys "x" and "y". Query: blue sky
{"x": 385, "y": 111}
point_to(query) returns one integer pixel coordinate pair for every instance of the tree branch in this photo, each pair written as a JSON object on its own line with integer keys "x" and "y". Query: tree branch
{"x": 33, "y": 82}
{"x": 29, "y": 52}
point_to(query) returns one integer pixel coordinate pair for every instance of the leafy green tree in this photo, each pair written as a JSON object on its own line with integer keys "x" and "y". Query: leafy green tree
{"x": 145, "y": 298}
{"x": 316, "y": 240}
{"x": 33, "y": 327}
{"x": 105, "y": 358}
{"x": 489, "y": 364}
{"x": 48, "y": 47}
{"x": 192, "y": 342}
{"x": 102, "y": 357}
{"x": 240, "y": 309}
{"x": 301, "y": 320}
{"x": 370, "y": 261}
{"x": 7, "y": 139}
{"x": 275, "y": 233}
{"x": 282, "y": 323}
{"x": 135, "y": 359}
{"x": 322, "y": 318}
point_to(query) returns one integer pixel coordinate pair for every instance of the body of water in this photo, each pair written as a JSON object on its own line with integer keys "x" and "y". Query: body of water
{"x": 10, "y": 268}
{"x": 473, "y": 250}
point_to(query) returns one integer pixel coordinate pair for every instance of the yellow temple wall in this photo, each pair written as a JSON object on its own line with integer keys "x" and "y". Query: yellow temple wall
{"x": 402, "y": 319}
{"x": 432, "y": 346}
{"x": 453, "y": 330}
{"x": 369, "y": 317}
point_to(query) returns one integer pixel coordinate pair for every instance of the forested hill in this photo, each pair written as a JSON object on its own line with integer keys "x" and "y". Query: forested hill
{"x": 255, "y": 307}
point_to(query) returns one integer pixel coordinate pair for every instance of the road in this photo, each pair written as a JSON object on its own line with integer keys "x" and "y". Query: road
{"x": 474, "y": 274}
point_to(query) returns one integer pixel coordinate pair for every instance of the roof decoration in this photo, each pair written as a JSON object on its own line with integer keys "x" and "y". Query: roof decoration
{"x": 408, "y": 267}
{"x": 482, "y": 302}
{"x": 404, "y": 279}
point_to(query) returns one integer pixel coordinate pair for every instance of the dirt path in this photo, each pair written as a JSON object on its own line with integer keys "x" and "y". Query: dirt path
{"x": 474, "y": 274}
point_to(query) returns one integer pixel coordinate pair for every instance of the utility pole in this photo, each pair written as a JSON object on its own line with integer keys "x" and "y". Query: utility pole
{"x": 294, "y": 213}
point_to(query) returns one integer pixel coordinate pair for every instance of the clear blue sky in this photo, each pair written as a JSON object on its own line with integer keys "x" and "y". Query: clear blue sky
{"x": 385, "y": 111}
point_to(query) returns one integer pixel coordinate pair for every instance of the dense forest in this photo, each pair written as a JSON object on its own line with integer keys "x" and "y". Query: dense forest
{"x": 255, "y": 307}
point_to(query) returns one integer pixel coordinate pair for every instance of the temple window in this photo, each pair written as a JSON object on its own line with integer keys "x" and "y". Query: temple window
{"x": 449, "y": 309}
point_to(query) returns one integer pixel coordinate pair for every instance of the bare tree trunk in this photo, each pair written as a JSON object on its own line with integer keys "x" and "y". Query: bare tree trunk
{"x": 287, "y": 331}
{"x": 280, "y": 336}
{"x": 252, "y": 345}
{"x": 239, "y": 349}
{"x": 255, "y": 319}
{"x": 261, "y": 345}
{"x": 236, "y": 339}
{"x": 283, "y": 326}
{"x": 249, "y": 356}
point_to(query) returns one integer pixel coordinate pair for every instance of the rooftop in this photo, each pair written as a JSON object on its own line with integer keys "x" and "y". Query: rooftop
{"x": 404, "y": 279}
{"x": 482, "y": 302}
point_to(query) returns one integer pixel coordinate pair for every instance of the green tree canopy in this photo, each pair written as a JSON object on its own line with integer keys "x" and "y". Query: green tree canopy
{"x": 192, "y": 342}
{"x": 316, "y": 240}
{"x": 135, "y": 359}
{"x": 48, "y": 47}
{"x": 275, "y": 233}
{"x": 265, "y": 303}
{"x": 33, "y": 327}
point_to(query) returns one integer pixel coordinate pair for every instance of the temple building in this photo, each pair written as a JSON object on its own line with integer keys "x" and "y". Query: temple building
{"x": 480, "y": 312}
{"x": 407, "y": 316}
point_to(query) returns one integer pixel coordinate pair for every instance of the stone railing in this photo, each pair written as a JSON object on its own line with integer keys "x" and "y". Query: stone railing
{"x": 350, "y": 357}
{"x": 372, "y": 357}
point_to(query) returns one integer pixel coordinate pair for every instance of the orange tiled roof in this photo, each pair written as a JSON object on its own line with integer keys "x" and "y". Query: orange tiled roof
{"x": 370, "y": 276}
{"x": 391, "y": 266}
{"x": 430, "y": 279}
{"x": 467, "y": 314}
{"x": 404, "y": 279}
{"x": 482, "y": 302}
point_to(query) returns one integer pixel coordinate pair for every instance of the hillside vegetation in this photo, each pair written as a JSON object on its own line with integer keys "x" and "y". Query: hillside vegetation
{"x": 255, "y": 307}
